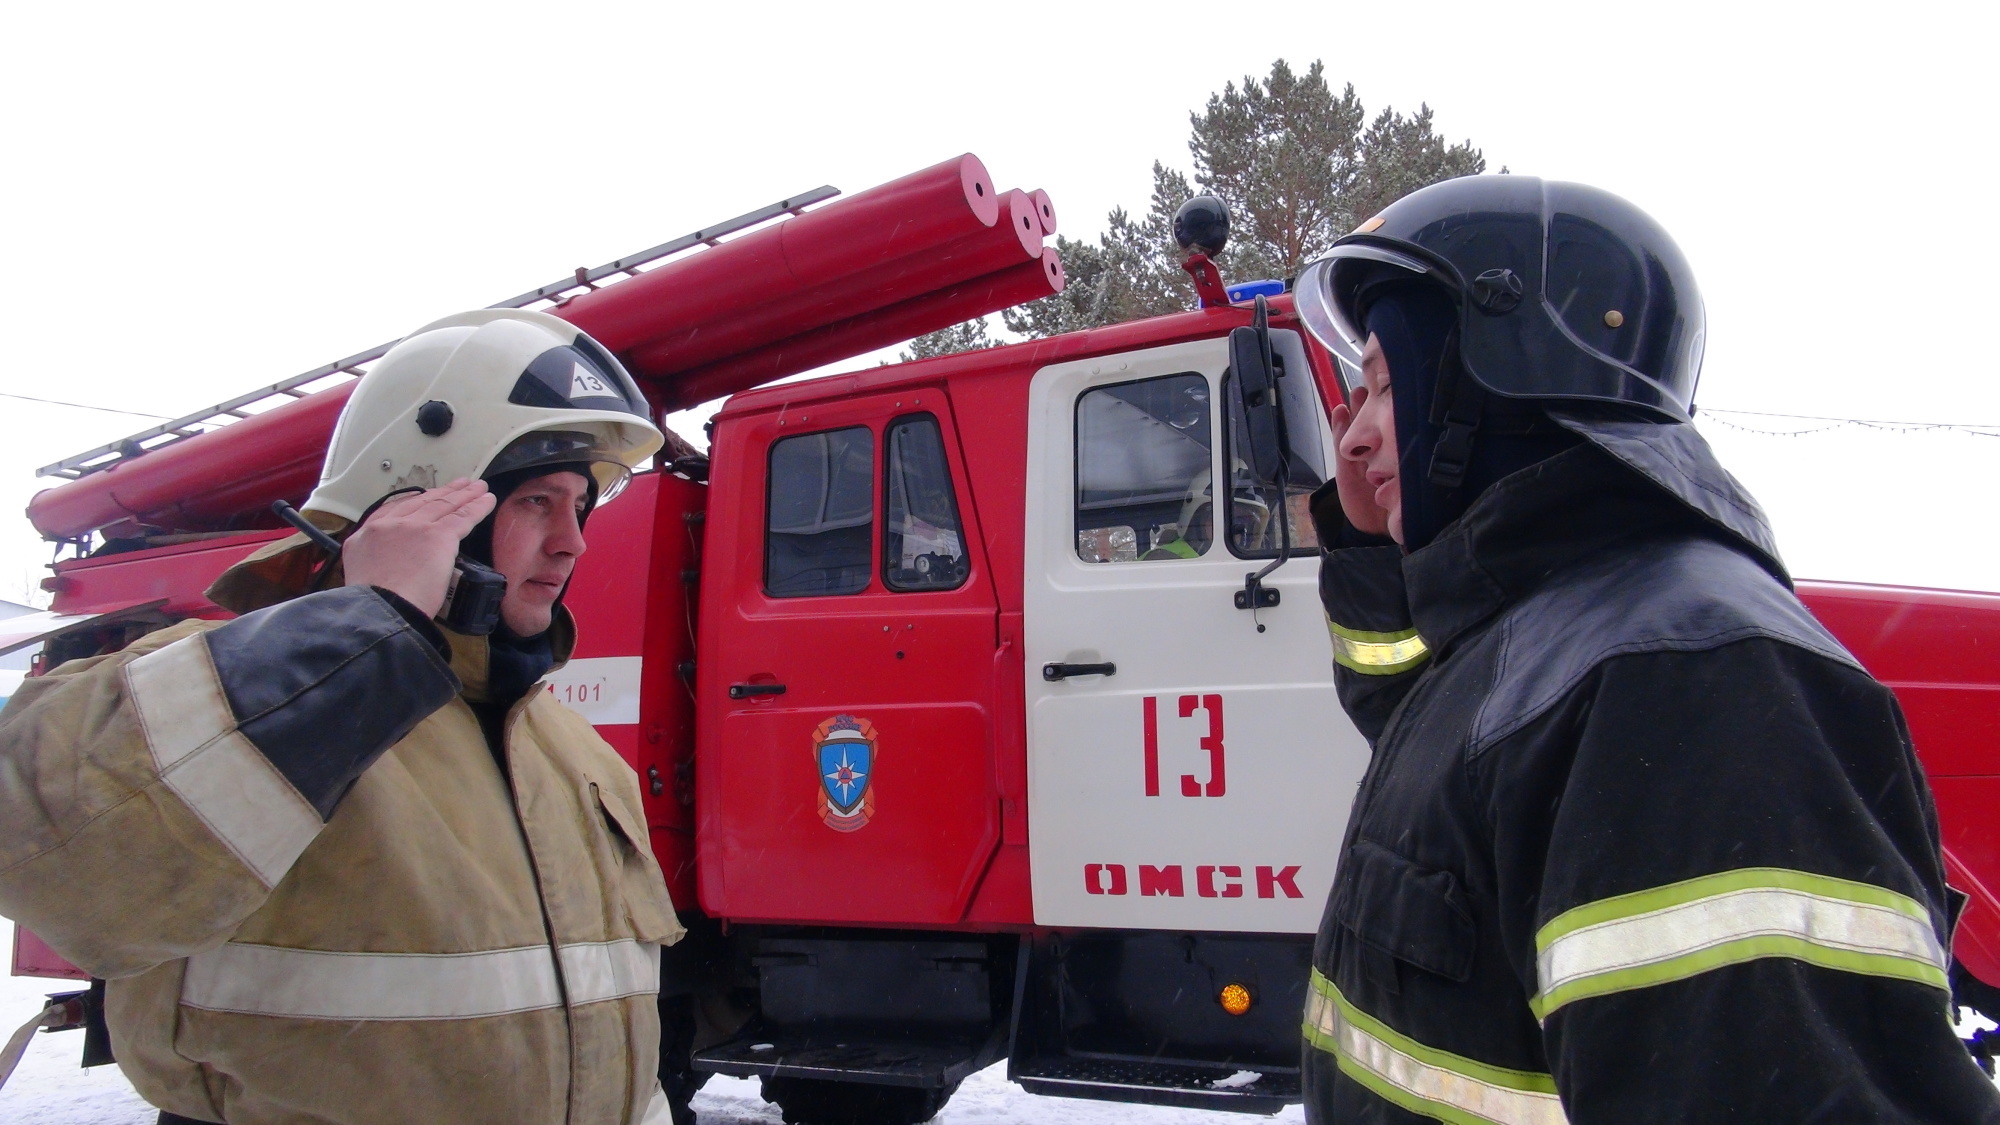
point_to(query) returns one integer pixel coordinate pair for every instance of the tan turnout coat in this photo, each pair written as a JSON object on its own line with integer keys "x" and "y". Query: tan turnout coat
{"x": 455, "y": 944}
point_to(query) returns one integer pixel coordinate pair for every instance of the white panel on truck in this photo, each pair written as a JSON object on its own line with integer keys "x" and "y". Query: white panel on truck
{"x": 1205, "y": 784}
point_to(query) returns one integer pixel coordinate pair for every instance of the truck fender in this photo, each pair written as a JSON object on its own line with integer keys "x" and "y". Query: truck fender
{"x": 1975, "y": 943}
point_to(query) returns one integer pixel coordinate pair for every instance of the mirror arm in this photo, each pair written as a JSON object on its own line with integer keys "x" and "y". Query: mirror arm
{"x": 1255, "y": 595}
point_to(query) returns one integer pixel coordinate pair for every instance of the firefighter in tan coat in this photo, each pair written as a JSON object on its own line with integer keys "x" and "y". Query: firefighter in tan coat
{"x": 340, "y": 864}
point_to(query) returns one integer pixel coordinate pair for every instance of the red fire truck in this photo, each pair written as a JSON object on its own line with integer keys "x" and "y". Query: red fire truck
{"x": 964, "y": 731}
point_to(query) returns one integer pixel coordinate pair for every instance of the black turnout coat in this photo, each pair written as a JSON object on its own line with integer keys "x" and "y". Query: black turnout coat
{"x": 1640, "y": 841}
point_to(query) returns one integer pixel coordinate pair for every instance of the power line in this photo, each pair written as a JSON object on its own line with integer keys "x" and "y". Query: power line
{"x": 1862, "y": 421}
{"x": 1833, "y": 423}
{"x": 82, "y": 406}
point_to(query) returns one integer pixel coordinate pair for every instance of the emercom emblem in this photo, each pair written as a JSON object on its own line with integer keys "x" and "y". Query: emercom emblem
{"x": 844, "y": 751}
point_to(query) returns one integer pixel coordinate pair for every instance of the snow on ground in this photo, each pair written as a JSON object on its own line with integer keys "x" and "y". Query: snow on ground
{"x": 50, "y": 1088}
{"x": 986, "y": 1098}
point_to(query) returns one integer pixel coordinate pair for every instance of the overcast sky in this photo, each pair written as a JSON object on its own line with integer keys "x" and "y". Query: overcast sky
{"x": 203, "y": 198}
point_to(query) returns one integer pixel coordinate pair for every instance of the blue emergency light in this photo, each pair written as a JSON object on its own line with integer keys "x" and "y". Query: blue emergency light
{"x": 1251, "y": 290}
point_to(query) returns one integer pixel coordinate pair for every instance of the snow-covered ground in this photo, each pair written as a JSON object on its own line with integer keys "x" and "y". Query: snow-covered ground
{"x": 987, "y": 1098}
{"x": 50, "y": 1088}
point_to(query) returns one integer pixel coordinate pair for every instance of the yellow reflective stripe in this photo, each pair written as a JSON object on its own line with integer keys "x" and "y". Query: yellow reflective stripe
{"x": 1376, "y": 654}
{"x": 1421, "y": 1079}
{"x": 1684, "y": 929}
{"x": 269, "y": 980}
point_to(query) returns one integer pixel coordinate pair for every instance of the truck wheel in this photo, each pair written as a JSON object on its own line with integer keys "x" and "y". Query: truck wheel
{"x": 815, "y": 1101}
{"x": 678, "y": 1077}
{"x": 1969, "y": 991}
{"x": 1979, "y": 995}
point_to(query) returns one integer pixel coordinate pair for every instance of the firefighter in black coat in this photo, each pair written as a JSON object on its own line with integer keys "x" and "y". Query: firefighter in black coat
{"x": 1640, "y": 841}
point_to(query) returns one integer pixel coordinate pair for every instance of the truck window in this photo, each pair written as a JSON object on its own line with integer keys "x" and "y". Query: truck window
{"x": 1143, "y": 460}
{"x": 822, "y": 514}
{"x": 922, "y": 548}
{"x": 1253, "y": 533}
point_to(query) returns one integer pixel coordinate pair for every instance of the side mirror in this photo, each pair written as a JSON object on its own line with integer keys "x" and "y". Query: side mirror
{"x": 1254, "y": 372}
{"x": 1258, "y": 402}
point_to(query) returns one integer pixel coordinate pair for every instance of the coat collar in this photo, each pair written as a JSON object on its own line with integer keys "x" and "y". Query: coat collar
{"x": 276, "y": 572}
{"x": 1677, "y": 460}
{"x": 1629, "y": 481}
{"x": 471, "y": 657}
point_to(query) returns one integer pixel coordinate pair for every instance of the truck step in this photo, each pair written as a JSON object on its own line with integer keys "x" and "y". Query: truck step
{"x": 1189, "y": 1085}
{"x": 932, "y": 1062}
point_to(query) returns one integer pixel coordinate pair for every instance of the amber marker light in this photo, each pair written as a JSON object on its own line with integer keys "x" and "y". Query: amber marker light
{"x": 1235, "y": 999}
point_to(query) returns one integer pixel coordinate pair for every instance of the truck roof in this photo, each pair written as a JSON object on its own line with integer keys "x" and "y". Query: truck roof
{"x": 1153, "y": 332}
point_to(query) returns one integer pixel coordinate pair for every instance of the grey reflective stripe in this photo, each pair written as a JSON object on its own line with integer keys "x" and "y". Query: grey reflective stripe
{"x": 610, "y": 970}
{"x": 1678, "y": 931}
{"x": 1376, "y": 654}
{"x": 269, "y": 980}
{"x": 1421, "y": 1079}
{"x": 231, "y": 786}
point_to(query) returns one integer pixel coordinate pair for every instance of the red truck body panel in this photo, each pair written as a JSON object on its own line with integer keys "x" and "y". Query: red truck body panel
{"x": 179, "y": 573}
{"x": 665, "y": 745}
{"x": 1939, "y": 650}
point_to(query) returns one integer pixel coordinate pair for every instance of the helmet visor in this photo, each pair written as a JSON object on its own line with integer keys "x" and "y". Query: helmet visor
{"x": 1326, "y": 297}
{"x": 565, "y": 447}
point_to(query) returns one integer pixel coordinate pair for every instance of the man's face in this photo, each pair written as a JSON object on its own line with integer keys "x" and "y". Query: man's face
{"x": 1371, "y": 436}
{"x": 537, "y": 536}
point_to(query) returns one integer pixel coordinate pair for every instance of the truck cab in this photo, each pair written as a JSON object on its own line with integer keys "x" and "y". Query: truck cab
{"x": 976, "y": 668}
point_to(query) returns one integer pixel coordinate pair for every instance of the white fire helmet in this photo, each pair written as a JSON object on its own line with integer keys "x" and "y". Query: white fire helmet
{"x": 482, "y": 393}
{"x": 1248, "y": 511}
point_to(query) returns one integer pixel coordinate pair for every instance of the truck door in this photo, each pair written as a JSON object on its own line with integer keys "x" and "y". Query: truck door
{"x": 845, "y": 693}
{"x": 1189, "y": 766}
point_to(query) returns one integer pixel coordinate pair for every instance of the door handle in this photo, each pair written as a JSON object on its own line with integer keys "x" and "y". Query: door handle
{"x": 1054, "y": 672}
{"x": 745, "y": 691}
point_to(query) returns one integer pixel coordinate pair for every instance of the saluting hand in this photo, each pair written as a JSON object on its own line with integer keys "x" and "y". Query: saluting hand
{"x": 409, "y": 544}
{"x": 1357, "y": 496}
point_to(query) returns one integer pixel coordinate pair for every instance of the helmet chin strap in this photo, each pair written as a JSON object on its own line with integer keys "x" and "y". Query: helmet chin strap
{"x": 1457, "y": 407}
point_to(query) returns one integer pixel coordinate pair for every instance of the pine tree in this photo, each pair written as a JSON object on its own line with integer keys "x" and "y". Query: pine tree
{"x": 970, "y": 336}
{"x": 1283, "y": 154}
{"x": 1402, "y": 155}
{"x": 1297, "y": 169}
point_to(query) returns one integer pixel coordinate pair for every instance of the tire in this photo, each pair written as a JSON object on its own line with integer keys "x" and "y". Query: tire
{"x": 1968, "y": 991}
{"x": 678, "y": 1077}
{"x": 813, "y": 1101}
